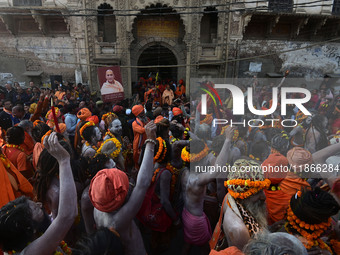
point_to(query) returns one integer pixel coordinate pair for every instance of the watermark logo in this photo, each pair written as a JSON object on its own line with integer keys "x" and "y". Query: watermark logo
{"x": 238, "y": 100}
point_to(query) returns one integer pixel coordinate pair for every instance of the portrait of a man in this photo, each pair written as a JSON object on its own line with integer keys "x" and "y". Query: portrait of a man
{"x": 111, "y": 85}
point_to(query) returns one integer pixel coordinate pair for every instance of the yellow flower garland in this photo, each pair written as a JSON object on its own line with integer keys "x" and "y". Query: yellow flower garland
{"x": 187, "y": 157}
{"x": 15, "y": 146}
{"x": 162, "y": 150}
{"x": 116, "y": 152}
{"x": 107, "y": 115}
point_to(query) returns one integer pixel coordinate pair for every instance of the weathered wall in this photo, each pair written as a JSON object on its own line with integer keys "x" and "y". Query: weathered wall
{"x": 302, "y": 61}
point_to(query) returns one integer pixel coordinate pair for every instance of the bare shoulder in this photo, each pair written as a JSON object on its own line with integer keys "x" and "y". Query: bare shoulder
{"x": 234, "y": 228}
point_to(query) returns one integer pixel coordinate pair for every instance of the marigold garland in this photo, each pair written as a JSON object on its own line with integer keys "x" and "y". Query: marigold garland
{"x": 89, "y": 145}
{"x": 162, "y": 150}
{"x": 174, "y": 172}
{"x": 107, "y": 115}
{"x": 36, "y": 122}
{"x": 254, "y": 187}
{"x": 88, "y": 124}
{"x": 187, "y": 157}
{"x": 116, "y": 152}
{"x": 313, "y": 239}
{"x": 109, "y": 133}
{"x": 45, "y": 135}
{"x": 15, "y": 146}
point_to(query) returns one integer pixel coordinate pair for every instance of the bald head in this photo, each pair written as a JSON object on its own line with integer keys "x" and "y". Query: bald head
{"x": 18, "y": 111}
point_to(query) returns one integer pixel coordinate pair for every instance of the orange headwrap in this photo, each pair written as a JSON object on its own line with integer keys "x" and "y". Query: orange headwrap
{"x": 158, "y": 119}
{"x": 273, "y": 162}
{"x": 176, "y": 111}
{"x": 108, "y": 189}
{"x": 93, "y": 118}
{"x": 137, "y": 109}
{"x": 83, "y": 114}
{"x": 299, "y": 157}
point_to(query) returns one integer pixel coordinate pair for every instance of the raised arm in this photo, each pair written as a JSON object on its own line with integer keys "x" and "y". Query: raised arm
{"x": 223, "y": 158}
{"x": 126, "y": 214}
{"x": 48, "y": 242}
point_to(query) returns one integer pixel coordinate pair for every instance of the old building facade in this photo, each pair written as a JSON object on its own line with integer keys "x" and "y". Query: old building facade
{"x": 193, "y": 38}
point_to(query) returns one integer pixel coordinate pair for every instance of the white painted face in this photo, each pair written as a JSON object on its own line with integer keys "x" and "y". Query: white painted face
{"x": 110, "y": 164}
{"x": 98, "y": 134}
{"x": 116, "y": 127}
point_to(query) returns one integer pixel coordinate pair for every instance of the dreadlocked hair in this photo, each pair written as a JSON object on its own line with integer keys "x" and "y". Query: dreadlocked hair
{"x": 39, "y": 131}
{"x": 108, "y": 120}
{"x": 314, "y": 206}
{"x": 103, "y": 241}
{"x": 258, "y": 148}
{"x": 47, "y": 169}
{"x": 90, "y": 166}
{"x": 15, "y": 135}
{"x": 217, "y": 143}
{"x": 163, "y": 128}
{"x": 176, "y": 131}
{"x": 317, "y": 124}
{"x": 88, "y": 132}
{"x": 280, "y": 142}
{"x": 16, "y": 225}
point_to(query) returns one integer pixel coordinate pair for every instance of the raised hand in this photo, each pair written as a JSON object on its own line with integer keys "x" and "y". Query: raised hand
{"x": 53, "y": 146}
{"x": 150, "y": 130}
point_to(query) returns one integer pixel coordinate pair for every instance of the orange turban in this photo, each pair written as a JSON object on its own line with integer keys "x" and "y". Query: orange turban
{"x": 275, "y": 160}
{"x": 83, "y": 114}
{"x": 93, "y": 118}
{"x": 176, "y": 111}
{"x": 299, "y": 157}
{"x": 108, "y": 189}
{"x": 158, "y": 119}
{"x": 137, "y": 109}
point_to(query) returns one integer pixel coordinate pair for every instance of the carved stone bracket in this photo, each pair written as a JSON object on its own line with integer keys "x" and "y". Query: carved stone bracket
{"x": 40, "y": 20}
{"x": 273, "y": 23}
{"x": 9, "y": 23}
{"x": 320, "y": 25}
{"x": 300, "y": 24}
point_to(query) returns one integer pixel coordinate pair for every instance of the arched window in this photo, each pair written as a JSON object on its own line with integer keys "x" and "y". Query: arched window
{"x": 106, "y": 23}
{"x": 209, "y": 26}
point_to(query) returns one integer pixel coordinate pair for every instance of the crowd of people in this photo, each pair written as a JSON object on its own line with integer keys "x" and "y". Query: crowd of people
{"x": 80, "y": 176}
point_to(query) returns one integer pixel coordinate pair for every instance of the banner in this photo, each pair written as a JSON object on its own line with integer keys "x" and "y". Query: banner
{"x": 110, "y": 81}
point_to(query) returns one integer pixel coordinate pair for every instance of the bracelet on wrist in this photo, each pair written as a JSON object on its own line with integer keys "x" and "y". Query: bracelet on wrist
{"x": 150, "y": 140}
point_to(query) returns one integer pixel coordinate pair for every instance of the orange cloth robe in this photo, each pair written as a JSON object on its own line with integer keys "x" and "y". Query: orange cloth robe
{"x": 38, "y": 148}
{"x": 180, "y": 90}
{"x": 277, "y": 201}
{"x": 18, "y": 159}
{"x": 7, "y": 192}
{"x": 138, "y": 140}
{"x": 28, "y": 144}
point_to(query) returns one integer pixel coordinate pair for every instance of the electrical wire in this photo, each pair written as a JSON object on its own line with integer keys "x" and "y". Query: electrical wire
{"x": 199, "y": 64}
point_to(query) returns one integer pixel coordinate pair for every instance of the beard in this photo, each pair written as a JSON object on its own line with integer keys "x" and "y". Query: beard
{"x": 258, "y": 210}
{"x": 43, "y": 225}
{"x": 144, "y": 119}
